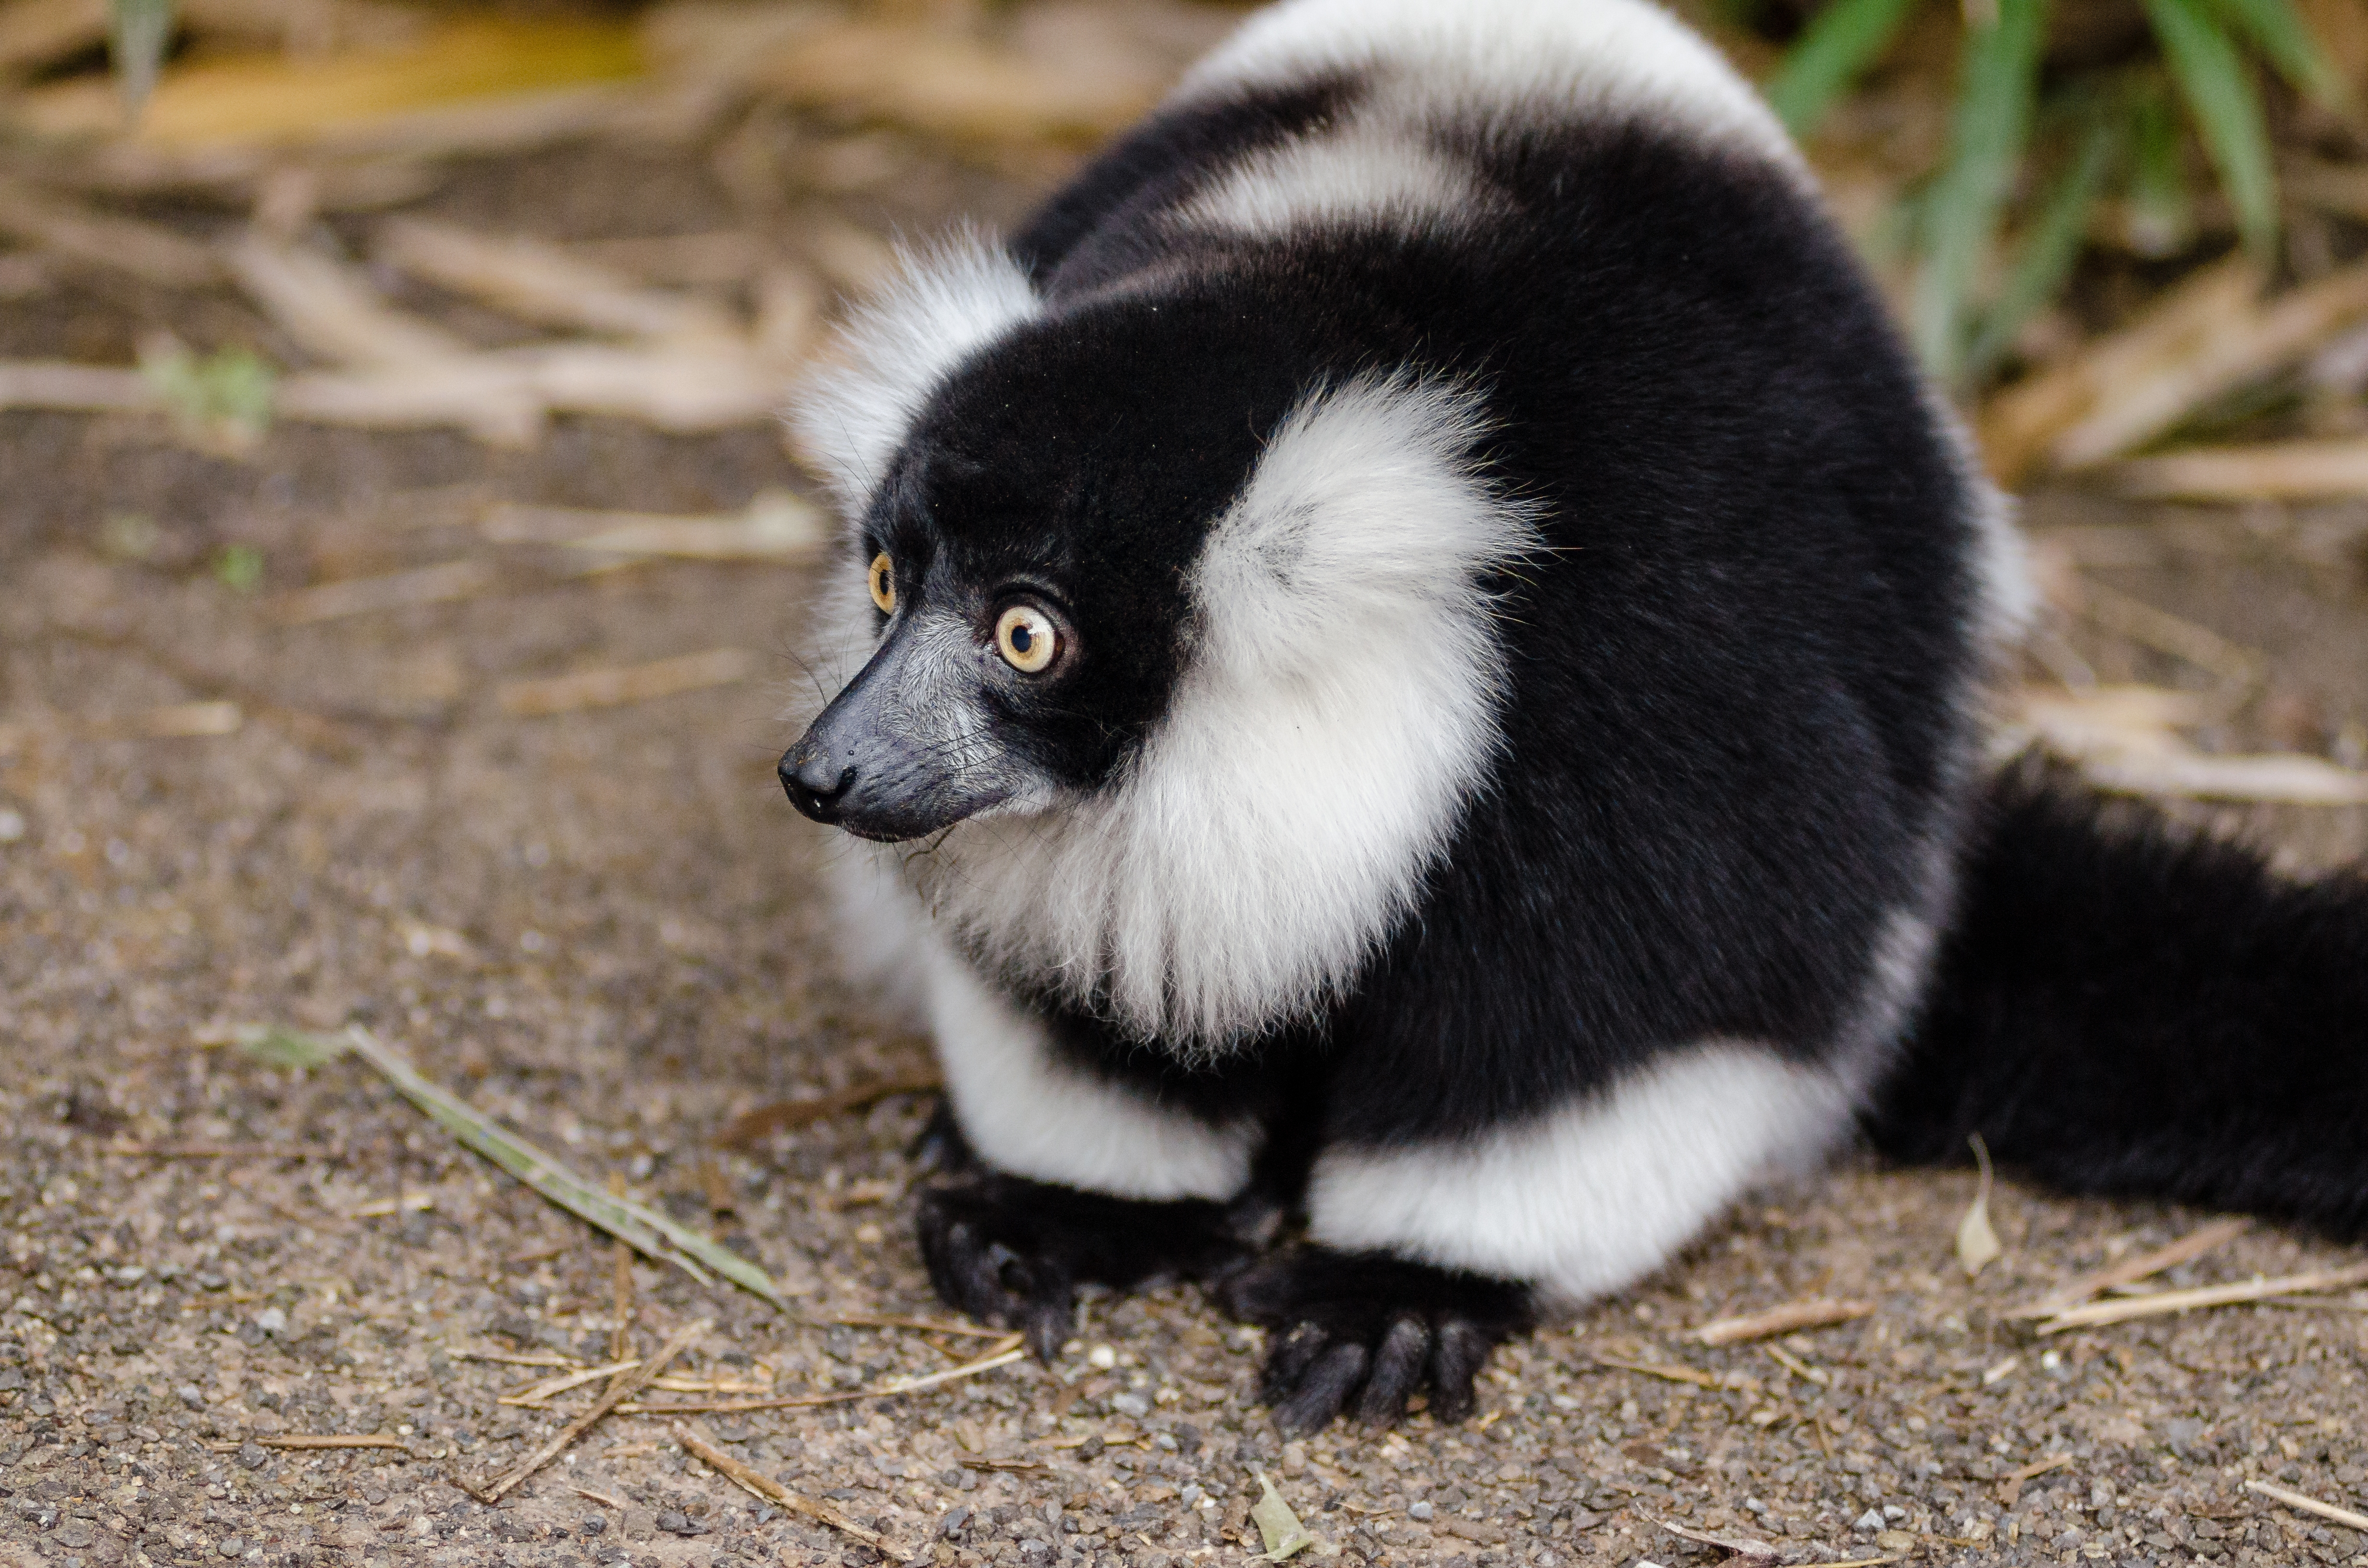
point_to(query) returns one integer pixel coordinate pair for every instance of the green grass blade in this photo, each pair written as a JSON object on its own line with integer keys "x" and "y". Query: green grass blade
{"x": 137, "y": 32}
{"x": 1838, "y": 44}
{"x": 1986, "y": 131}
{"x": 2285, "y": 40}
{"x": 2049, "y": 251}
{"x": 2162, "y": 213}
{"x": 2219, "y": 92}
{"x": 644, "y": 1230}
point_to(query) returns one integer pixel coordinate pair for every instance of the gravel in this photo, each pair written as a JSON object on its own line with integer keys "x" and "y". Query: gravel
{"x": 604, "y": 927}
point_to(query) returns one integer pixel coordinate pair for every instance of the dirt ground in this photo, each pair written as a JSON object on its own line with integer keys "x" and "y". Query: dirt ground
{"x": 603, "y": 925}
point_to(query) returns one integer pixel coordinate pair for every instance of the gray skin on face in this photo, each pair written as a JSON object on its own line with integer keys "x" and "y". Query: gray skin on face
{"x": 915, "y": 743}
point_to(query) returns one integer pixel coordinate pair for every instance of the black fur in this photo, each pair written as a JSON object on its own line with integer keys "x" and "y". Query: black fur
{"x": 2125, "y": 1009}
{"x": 1735, "y": 661}
{"x": 1738, "y": 747}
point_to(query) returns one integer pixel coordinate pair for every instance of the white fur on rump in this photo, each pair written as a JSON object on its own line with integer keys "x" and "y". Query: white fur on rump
{"x": 1339, "y": 705}
{"x": 1033, "y": 1115}
{"x": 945, "y": 304}
{"x": 1436, "y": 60}
{"x": 1589, "y": 1197}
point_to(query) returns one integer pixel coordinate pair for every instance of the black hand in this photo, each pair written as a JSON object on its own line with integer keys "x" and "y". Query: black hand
{"x": 1372, "y": 1328}
{"x": 1013, "y": 1252}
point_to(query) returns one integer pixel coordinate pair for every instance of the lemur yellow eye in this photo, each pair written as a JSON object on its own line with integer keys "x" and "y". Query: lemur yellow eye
{"x": 883, "y": 581}
{"x": 1026, "y": 639}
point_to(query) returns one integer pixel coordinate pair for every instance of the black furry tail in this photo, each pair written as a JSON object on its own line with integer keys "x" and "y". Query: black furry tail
{"x": 2125, "y": 1009}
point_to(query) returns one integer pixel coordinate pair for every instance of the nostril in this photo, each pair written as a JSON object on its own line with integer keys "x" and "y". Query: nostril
{"x": 812, "y": 784}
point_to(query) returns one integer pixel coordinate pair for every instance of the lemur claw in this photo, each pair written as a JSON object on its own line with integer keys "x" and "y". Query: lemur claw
{"x": 1365, "y": 1332}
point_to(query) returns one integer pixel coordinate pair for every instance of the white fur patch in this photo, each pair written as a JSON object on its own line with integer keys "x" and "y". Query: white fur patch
{"x": 1364, "y": 174}
{"x": 1339, "y": 705}
{"x": 946, "y": 304}
{"x": 1587, "y": 1198}
{"x": 1437, "y": 60}
{"x": 1030, "y": 1113}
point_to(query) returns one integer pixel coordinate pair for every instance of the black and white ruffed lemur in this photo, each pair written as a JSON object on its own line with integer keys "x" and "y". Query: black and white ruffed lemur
{"x": 1420, "y": 649}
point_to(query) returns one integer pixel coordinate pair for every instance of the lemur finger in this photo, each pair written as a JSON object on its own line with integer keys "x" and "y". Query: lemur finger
{"x": 1297, "y": 1352}
{"x": 1456, "y": 1358}
{"x": 1326, "y": 1386}
{"x": 945, "y": 1241}
{"x": 1398, "y": 1363}
{"x": 1050, "y": 1319}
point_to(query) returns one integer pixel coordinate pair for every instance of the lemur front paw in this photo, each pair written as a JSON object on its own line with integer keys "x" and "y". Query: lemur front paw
{"x": 1012, "y": 1251}
{"x": 1375, "y": 1329}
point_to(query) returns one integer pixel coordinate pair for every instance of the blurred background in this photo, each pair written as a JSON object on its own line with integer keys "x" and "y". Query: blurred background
{"x": 401, "y": 572}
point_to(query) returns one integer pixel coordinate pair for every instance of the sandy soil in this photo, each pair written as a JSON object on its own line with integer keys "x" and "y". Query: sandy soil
{"x": 603, "y": 927}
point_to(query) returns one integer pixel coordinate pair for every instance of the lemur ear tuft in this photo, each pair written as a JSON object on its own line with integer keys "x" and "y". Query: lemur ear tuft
{"x": 948, "y": 300}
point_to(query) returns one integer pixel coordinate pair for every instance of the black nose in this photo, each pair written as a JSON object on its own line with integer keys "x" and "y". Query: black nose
{"x": 815, "y": 783}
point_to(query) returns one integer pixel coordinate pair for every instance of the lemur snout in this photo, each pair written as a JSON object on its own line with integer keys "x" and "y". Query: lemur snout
{"x": 815, "y": 782}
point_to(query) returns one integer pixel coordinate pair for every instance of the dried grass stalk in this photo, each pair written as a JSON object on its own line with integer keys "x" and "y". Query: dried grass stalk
{"x": 783, "y": 1115}
{"x": 1003, "y": 1352}
{"x": 492, "y": 399}
{"x": 146, "y": 251}
{"x": 2188, "y": 1248}
{"x": 921, "y": 1325}
{"x": 2309, "y": 1505}
{"x": 331, "y": 310}
{"x": 2233, "y": 350}
{"x": 542, "y": 1392}
{"x": 2283, "y": 471}
{"x": 2100, "y": 1313}
{"x": 75, "y": 389}
{"x": 617, "y": 1392}
{"x": 362, "y": 1440}
{"x": 1744, "y": 1550}
{"x": 1672, "y": 1372}
{"x": 1785, "y": 1319}
{"x": 440, "y": 583}
{"x": 190, "y": 720}
{"x": 649, "y": 1233}
{"x": 40, "y": 32}
{"x": 543, "y": 283}
{"x": 770, "y": 1490}
{"x": 2123, "y": 739}
{"x": 630, "y": 683}
{"x": 2021, "y": 422}
{"x": 931, "y": 81}
{"x": 2011, "y": 1486}
{"x": 718, "y": 258}
{"x": 351, "y": 98}
{"x": 776, "y": 525}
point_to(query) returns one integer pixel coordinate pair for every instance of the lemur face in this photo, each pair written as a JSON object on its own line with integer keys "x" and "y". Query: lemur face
{"x": 1027, "y": 554}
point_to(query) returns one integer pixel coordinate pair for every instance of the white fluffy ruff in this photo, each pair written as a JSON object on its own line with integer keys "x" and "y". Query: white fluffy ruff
{"x": 1339, "y": 705}
{"x": 947, "y": 302}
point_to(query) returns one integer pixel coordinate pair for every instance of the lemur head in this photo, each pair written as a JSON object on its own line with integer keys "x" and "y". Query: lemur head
{"x": 1028, "y": 551}
{"x": 1173, "y": 633}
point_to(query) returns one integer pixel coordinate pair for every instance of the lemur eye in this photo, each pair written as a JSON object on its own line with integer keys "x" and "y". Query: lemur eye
{"x": 1026, "y": 639}
{"x": 883, "y": 581}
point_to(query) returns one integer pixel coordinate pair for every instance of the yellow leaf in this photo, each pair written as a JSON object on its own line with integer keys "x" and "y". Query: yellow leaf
{"x": 1278, "y": 1527}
